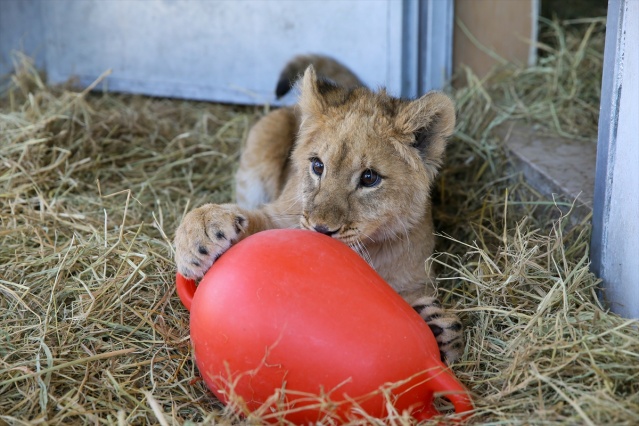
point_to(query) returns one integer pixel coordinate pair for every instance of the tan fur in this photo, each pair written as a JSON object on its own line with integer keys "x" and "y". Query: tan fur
{"x": 263, "y": 169}
{"x": 350, "y": 131}
{"x": 325, "y": 67}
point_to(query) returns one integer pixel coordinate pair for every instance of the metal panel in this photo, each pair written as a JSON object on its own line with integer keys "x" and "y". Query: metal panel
{"x": 615, "y": 236}
{"x": 229, "y": 51}
{"x": 218, "y": 50}
{"x": 20, "y": 31}
{"x": 427, "y": 46}
{"x": 410, "y": 48}
{"x": 435, "y": 44}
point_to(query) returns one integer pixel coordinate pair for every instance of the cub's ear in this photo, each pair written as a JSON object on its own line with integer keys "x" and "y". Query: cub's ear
{"x": 317, "y": 94}
{"x": 310, "y": 101}
{"x": 431, "y": 119}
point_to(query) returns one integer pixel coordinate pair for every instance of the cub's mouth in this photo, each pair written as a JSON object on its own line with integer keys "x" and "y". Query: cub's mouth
{"x": 347, "y": 234}
{"x": 322, "y": 228}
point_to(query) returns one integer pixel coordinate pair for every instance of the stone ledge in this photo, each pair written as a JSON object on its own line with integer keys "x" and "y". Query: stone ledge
{"x": 554, "y": 165}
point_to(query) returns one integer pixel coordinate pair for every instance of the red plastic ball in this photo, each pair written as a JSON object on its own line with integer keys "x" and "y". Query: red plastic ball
{"x": 301, "y": 314}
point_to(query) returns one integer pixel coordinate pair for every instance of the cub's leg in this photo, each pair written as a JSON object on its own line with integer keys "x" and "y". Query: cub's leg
{"x": 264, "y": 165}
{"x": 446, "y": 327}
{"x": 208, "y": 231}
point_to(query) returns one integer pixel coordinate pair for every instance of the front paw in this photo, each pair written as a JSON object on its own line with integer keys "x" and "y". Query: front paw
{"x": 204, "y": 234}
{"x": 446, "y": 328}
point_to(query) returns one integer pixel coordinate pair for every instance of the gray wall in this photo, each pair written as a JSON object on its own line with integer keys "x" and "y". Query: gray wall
{"x": 615, "y": 239}
{"x": 230, "y": 51}
{"x": 20, "y": 30}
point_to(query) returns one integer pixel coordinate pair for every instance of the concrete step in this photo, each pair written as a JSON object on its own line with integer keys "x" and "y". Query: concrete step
{"x": 556, "y": 167}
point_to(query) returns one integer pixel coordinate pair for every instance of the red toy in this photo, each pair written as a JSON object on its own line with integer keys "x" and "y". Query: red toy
{"x": 300, "y": 311}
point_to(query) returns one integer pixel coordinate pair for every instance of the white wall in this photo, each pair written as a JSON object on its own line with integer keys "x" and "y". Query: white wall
{"x": 228, "y": 50}
{"x": 615, "y": 241}
{"x": 20, "y": 30}
{"x": 223, "y": 50}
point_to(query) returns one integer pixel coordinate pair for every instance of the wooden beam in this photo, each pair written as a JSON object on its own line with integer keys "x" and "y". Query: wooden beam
{"x": 489, "y": 31}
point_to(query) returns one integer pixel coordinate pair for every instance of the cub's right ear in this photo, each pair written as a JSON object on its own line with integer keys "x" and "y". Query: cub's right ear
{"x": 309, "y": 92}
{"x": 317, "y": 93}
{"x": 310, "y": 101}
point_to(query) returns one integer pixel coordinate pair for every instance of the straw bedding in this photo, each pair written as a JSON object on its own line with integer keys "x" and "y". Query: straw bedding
{"x": 93, "y": 185}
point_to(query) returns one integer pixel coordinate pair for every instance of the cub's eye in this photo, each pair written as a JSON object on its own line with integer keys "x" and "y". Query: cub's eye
{"x": 370, "y": 178}
{"x": 317, "y": 166}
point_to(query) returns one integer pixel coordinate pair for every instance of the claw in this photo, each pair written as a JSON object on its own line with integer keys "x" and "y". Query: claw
{"x": 205, "y": 233}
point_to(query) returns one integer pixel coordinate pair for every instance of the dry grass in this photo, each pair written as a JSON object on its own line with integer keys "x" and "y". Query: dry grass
{"x": 92, "y": 187}
{"x": 560, "y": 94}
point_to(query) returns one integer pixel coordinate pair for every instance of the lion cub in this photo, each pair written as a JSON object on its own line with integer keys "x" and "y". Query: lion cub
{"x": 347, "y": 162}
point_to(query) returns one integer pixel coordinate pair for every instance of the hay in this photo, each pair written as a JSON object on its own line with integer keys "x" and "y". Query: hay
{"x": 540, "y": 347}
{"x": 560, "y": 94}
{"x": 92, "y": 187}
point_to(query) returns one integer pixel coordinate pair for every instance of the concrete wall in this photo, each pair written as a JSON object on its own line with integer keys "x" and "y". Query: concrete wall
{"x": 488, "y": 32}
{"x": 21, "y": 30}
{"x": 615, "y": 240}
{"x": 229, "y": 51}
{"x": 222, "y": 50}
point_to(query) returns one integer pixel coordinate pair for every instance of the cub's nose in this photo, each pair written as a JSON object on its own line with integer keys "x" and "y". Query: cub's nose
{"x": 323, "y": 229}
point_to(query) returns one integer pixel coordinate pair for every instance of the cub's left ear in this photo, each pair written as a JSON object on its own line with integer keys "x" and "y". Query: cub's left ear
{"x": 431, "y": 119}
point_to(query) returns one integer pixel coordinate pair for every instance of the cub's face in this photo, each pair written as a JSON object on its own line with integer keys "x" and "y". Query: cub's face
{"x": 354, "y": 185}
{"x": 365, "y": 161}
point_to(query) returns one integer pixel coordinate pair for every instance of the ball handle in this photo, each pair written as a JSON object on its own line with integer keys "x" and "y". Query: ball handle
{"x": 185, "y": 290}
{"x": 443, "y": 382}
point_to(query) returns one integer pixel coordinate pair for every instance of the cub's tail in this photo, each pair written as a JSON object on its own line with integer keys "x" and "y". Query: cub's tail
{"x": 325, "y": 67}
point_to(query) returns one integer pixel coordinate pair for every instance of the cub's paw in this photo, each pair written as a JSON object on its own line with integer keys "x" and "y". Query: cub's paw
{"x": 204, "y": 234}
{"x": 446, "y": 327}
